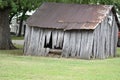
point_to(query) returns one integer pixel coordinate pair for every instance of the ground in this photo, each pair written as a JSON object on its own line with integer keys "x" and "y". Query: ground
{"x": 15, "y": 66}
{"x": 19, "y": 42}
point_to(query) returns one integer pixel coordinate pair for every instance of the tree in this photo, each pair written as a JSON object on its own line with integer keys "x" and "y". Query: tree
{"x": 12, "y": 7}
{"x": 5, "y": 40}
{"x": 23, "y": 7}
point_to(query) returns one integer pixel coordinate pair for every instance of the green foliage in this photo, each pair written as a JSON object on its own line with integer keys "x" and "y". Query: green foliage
{"x": 3, "y": 4}
{"x": 29, "y": 4}
{"x": 22, "y": 6}
{"x": 6, "y": 3}
{"x": 19, "y": 6}
{"x": 117, "y": 5}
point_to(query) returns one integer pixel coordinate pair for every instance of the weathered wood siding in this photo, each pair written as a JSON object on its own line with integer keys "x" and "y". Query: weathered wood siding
{"x": 78, "y": 43}
{"x": 105, "y": 38}
{"x": 99, "y": 43}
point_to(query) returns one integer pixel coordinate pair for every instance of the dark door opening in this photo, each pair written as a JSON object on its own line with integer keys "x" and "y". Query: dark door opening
{"x": 48, "y": 45}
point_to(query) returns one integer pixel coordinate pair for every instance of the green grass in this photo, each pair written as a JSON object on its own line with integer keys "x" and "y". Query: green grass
{"x": 18, "y": 46}
{"x": 14, "y": 66}
{"x": 16, "y": 52}
{"x": 118, "y": 52}
{"x": 17, "y": 38}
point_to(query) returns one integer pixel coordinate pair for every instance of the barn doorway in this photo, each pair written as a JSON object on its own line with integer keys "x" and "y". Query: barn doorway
{"x": 54, "y": 51}
{"x": 48, "y": 45}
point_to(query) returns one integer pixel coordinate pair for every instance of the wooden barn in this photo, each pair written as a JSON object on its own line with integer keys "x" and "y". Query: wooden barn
{"x": 81, "y": 31}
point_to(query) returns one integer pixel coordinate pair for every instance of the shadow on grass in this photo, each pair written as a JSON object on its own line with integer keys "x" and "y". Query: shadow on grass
{"x": 118, "y": 52}
{"x": 18, "y": 51}
{"x": 17, "y": 38}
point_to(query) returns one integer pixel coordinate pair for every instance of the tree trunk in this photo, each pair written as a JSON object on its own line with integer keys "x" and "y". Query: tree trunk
{"x": 11, "y": 16}
{"x": 21, "y": 23}
{"x": 24, "y": 30}
{"x": 20, "y": 28}
{"x": 5, "y": 40}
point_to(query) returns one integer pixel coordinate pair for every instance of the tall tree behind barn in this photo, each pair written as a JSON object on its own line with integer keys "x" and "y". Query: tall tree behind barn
{"x": 82, "y": 31}
{"x": 5, "y": 40}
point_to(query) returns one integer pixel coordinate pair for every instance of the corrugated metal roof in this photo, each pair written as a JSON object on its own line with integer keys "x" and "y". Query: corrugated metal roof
{"x": 68, "y": 16}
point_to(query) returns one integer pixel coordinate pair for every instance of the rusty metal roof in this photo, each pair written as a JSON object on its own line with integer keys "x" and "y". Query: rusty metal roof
{"x": 68, "y": 16}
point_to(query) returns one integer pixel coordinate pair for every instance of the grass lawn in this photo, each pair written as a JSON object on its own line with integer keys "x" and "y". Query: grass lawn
{"x": 17, "y": 38}
{"x": 14, "y": 66}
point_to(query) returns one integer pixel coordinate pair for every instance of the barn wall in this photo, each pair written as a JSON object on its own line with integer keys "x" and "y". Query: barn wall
{"x": 100, "y": 43}
{"x": 39, "y": 41}
{"x": 78, "y": 43}
{"x": 105, "y": 38}
{"x": 72, "y": 43}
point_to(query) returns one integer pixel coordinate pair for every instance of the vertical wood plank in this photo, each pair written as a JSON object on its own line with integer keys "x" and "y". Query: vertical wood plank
{"x": 54, "y": 38}
{"x": 78, "y": 43}
{"x": 27, "y": 39}
{"x": 83, "y": 53}
{"x": 89, "y": 48}
{"x": 72, "y": 43}
{"x": 59, "y": 41}
{"x": 66, "y": 44}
